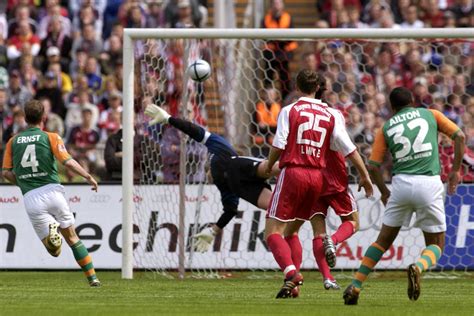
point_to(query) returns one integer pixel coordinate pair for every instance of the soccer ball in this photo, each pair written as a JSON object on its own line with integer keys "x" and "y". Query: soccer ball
{"x": 199, "y": 70}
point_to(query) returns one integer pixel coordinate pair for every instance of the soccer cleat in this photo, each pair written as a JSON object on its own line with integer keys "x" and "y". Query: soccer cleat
{"x": 156, "y": 114}
{"x": 54, "y": 238}
{"x": 331, "y": 285}
{"x": 414, "y": 276}
{"x": 289, "y": 285}
{"x": 95, "y": 283}
{"x": 351, "y": 295}
{"x": 295, "y": 292}
{"x": 329, "y": 251}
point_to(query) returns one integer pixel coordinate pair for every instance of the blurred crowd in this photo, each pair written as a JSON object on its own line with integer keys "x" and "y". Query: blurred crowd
{"x": 68, "y": 54}
{"x": 361, "y": 74}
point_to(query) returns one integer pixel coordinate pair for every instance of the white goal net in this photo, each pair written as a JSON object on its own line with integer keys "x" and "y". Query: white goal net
{"x": 173, "y": 195}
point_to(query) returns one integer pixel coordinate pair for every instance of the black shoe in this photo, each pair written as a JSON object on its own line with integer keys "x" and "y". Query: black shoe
{"x": 413, "y": 282}
{"x": 351, "y": 295}
{"x": 289, "y": 285}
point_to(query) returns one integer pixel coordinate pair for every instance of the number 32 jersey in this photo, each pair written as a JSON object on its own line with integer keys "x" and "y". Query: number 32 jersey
{"x": 411, "y": 136}
{"x": 31, "y": 155}
{"x": 306, "y": 130}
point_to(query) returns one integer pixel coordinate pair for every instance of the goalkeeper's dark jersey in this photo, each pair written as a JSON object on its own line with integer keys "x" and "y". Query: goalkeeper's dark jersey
{"x": 235, "y": 176}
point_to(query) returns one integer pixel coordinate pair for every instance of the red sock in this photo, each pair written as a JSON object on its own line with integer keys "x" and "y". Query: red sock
{"x": 282, "y": 253}
{"x": 318, "y": 251}
{"x": 296, "y": 250}
{"x": 344, "y": 231}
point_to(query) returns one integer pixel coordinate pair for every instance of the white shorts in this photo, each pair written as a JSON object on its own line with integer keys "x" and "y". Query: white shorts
{"x": 46, "y": 205}
{"x": 422, "y": 195}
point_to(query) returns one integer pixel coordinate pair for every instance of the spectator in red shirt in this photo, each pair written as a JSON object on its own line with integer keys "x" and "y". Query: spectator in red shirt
{"x": 20, "y": 42}
{"x": 82, "y": 142}
{"x": 433, "y": 16}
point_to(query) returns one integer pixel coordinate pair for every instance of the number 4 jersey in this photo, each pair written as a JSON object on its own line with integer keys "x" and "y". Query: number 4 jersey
{"x": 31, "y": 155}
{"x": 411, "y": 136}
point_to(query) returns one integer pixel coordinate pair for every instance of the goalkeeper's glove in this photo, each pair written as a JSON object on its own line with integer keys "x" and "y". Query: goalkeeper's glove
{"x": 157, "y": 114}
{"x": 204, "y": 239}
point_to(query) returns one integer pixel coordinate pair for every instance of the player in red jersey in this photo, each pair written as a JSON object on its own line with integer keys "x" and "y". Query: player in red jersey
{"x": 306, "y": 131}
{"x": 338, "y": 196}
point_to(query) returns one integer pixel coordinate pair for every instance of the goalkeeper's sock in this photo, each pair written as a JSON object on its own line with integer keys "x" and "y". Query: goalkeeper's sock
{"x": 318, "y": 252}
{"x": 429, "y": 257}
{"x": 344, "y": 231}
{"x": 371, "y": 257}
{"x": 192, "y": 130}
{"x": 282, "y": 254}
{"x": 296, "y": 250}
{"x": 84, "y": 260}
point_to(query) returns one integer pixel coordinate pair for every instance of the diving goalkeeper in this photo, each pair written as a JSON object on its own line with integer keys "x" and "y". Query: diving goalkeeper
{"x": 235, "y": 176}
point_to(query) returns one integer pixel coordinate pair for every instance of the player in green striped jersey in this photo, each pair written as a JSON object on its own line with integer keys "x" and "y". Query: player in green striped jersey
{"x": 411, "y": 137}
{"x": 30, "y": 162}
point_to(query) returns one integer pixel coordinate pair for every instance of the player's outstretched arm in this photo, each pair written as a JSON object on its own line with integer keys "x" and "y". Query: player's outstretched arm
{"x": 364, "y": 181}
{"x": 10, "y": 176}
{"x": 74, "y": 166}
{"x": 156, "y": 114}
{"x": 459, "y": 147}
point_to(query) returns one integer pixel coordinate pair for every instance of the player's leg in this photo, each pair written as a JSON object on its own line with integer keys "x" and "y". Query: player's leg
{"x": 43, "y": 223}
{"x": 84, "y": 260}
{"x": 345, "y": 207}
{"x": 230, "y": 203}
{"x": 371, "y": 257}
{"x": 291, "y": 237}
{"x": 431, "y": 219}
{"x": 286, "y": 198}
{"x": 318, "y": 222}
{"x": 59, "y": 208}
{"x": 274, "y": 235}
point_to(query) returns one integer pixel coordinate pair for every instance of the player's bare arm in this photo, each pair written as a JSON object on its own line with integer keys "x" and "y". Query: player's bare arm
{"x": 273, "y": 156}
{"x": 450, "y": 129}
{"x": 377, "y": 177}
{"x": 454, "y": 177}
{"x": 364, "y": 181}
{"x": 77, "y": 168}
{"x": 10, "y": 176}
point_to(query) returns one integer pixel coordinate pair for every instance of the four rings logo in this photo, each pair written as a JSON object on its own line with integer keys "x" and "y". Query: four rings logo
{"x": 99, "y": 198}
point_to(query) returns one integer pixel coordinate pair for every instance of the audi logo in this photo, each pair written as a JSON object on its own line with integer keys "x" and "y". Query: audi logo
{"x": 99, "y": 198}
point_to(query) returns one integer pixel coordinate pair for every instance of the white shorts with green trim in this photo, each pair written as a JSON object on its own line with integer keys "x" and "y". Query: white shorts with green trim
{"x": 419, "y": 194}
{"x": 46, "y": 205}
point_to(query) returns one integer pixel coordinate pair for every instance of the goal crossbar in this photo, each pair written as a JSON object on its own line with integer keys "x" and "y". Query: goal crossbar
{"x": 300, "y": 34}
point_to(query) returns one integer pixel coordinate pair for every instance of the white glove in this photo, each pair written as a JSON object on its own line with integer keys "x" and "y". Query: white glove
{"x": 157, "y": 114}
{"x": 204, "y": 239}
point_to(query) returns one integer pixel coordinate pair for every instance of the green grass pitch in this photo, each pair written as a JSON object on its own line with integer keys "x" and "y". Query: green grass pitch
{"x": 67, "y": 293}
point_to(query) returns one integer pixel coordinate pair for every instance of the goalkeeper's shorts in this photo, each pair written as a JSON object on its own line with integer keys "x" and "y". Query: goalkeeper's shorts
{"x": 242, "y": 178}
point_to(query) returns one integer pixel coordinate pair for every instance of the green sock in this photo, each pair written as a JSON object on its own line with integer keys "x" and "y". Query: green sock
{"x": 84, "y": 260}
{"x": 371, "y": 257}
{"x": 429, "y": 257}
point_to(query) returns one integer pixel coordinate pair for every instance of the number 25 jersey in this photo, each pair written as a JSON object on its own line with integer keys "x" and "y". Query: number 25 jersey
{"x": 31, "y": 155}
{"x": 306, "y": 130}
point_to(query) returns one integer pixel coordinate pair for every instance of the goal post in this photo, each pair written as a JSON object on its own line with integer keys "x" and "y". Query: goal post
{"x": 153, "y": 68}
